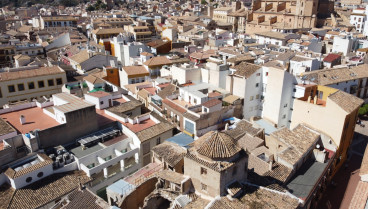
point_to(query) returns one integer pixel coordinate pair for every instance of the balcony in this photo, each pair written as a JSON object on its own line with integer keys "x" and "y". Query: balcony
{"x": 113, "y": 171}
{"x": 110, "y": 160}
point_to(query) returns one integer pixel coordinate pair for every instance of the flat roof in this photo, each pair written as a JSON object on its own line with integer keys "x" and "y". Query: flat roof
{"x": 268, "y": 127}
{"x": 121, "y": 187}
{"x": 305, "y": 178}
{"x": 73, "y": 103}
{"x": 143, "y": 173}
{"x": 181, "y": 139}
{"x": 79, "y": 152}
{"x": 35, "y": 119}
{"x": 115, "y": 140}
{"x": 140, "y": 126}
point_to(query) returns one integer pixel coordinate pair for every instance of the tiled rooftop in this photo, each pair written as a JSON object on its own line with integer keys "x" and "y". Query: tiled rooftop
{"x": 170, "y": 152}
{"x": 364, "y": 165}
{"x": 42, "y": 192}
{"x": 35, "y": 119}
{"x": 151, "y": 90}
{"x": 216, "y": 145}
{"x": 140, "y": 126}
{"x": 146, "y": 172}
{"x": 360, "y": 196}
{"x": 255, "y": 197}
{"x": 5, "y": 128}
{"x": 171, "y": 176}
{"x": 1, "y": 145}
{"x": 182, "y": 103}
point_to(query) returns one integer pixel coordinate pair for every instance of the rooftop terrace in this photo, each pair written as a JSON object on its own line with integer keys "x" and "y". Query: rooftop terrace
{"x": 79, "y": 152}
{"x": 306, "y": 178}
{"x": 35, "y": 119}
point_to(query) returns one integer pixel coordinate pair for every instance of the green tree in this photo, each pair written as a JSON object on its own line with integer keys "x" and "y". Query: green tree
{"x": 103, "y": 6}
{"x": 363, "y": 110}
{"x": 69, "y": 3}
{"x": 91, "y": 8}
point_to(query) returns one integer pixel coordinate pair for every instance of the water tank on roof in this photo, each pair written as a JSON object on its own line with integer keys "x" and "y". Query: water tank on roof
{"x": 67, "y": 158}
{"x": 35, "y": 162}
{"x": 59, "y": 152}
{"x": 27, "y": 165}
{"x": 53, "y": 157}
{"x": 60, "y": 160}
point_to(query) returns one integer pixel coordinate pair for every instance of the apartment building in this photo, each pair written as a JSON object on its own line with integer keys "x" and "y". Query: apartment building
{"x": 352, "y": 80}
{"x": 57, "y": 21}
{"x": 30, "y": 84}
{"x": 358, "y": 19}
{"x": 127, "y": 51}
{"x": 112, "y": 22}
{"x": 246, "y": 82}
{"x": 106, "y": 156}
{"x": 7, "y": 53}
{"x": 328, "y": 110}
{"x": 141, "y": 33}
{"x": 133, "y": 74}
{"x": 220, "y": 14}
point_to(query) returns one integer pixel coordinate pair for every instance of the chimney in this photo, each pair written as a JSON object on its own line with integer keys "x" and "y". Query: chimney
{"x": 226, "y": 126}
{"x": 22, "y": 119}
{"x": 270, "y": 165}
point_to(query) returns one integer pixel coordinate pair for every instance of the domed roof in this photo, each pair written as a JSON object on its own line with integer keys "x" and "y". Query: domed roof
{"x": 217, "y": 145}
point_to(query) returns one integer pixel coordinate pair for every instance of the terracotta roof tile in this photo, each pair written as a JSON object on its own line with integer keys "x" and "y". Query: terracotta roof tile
{"x": 171, "y": 176}
{"x": 47, "y": 190}
{"x": 173, "y": 106}
{"x": 359, "y": 199}
{"x": 81, "y": 56}
{"x": 346, "y": 101}
{"x": 216, "y": 145}
{"x": 135, "y": 70}
{"x": 245, "y": 69}
{"x": 332, "y": 76}
{"x": 43, "y": 71}
{"x": 211, "y": 103}
{"x": 170, "y": 152}
{"x": 85, "y": 199}
{"x": 364, "y": 166}
{"x": 99, "y": 94}
{"x": 157, "y": 61}
{"x": 331, "y": 57}
{"x": 5, "y": 128}
{"x": 154, "y": 131}
{"x": 167, "y": 91}
{"x": 15, "y": 174}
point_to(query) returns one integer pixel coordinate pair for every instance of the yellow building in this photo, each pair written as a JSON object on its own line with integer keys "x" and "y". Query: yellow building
{"x": 140, "y": 33}
{"x": 30, "y": 84}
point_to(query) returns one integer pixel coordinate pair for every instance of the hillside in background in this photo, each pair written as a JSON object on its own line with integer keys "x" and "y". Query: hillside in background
{"x": 28, "y": 3}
